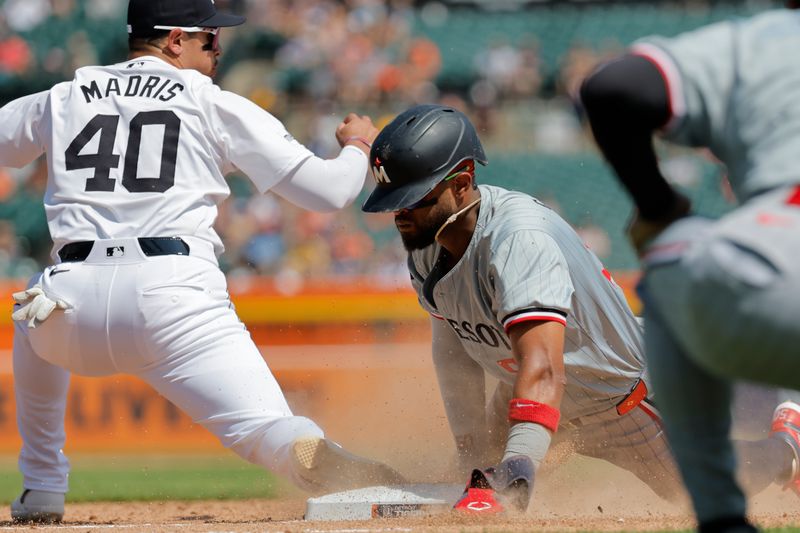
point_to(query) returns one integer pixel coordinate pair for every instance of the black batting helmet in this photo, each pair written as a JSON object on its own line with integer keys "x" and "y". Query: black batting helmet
{"x": 416, "y": 151}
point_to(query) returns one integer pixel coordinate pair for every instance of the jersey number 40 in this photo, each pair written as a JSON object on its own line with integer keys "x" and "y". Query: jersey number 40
{"x": 105, "y": 159}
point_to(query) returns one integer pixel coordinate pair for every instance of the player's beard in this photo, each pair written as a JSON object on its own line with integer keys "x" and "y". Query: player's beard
{"x": 425, "y": 233}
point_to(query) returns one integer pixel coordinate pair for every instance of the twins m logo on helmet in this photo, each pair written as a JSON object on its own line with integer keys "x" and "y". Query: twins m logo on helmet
{"x": 380, "y": 175}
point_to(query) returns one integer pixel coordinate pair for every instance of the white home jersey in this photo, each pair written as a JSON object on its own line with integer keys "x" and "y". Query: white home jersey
{"x": 137, "y": 154}
{"x": 524, "y": 262}
{"x": 141, "y": 149}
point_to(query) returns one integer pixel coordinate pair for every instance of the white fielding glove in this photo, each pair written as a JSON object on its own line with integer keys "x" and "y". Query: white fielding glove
{"x": 35, "y": 306}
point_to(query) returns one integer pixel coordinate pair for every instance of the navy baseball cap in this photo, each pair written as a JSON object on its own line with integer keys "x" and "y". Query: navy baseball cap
{"x": 144, "y": 15}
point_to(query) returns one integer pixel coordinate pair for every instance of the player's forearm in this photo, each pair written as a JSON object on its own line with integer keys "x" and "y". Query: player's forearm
{"x": 540, "y": 380}
{"x": 540, "y": 356}
{"x": 538, "y": 348}
{"x": 626, "y": 101}
{"x": 326, "y": 184}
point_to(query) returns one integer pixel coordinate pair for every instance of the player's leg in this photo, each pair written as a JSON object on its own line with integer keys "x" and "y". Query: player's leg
{"x": 743, "y": 304}
{"x": 742, "y": 331}
{"x": 763, "y": 462}
{"x": 41, "y": 399}
{"x": 694, "y": 402}
{"x": 635, "y": 442}
{"x": 67, "y": 341}
{"x": 753, "y": 405}
{"x": 742, "y": 282}
{"x": 232, "y": 393}
{"x": 695, "y": 406}
{"x": 199, "y": 355}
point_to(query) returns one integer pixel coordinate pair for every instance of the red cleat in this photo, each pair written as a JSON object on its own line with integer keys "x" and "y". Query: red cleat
{"x": 786, "y": 426}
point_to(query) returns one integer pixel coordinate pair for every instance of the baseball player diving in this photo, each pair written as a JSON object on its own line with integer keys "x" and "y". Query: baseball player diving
{"x": 137, "y": 153}
{"x": 721, "y": 297}
{"x": 514, "y": 293}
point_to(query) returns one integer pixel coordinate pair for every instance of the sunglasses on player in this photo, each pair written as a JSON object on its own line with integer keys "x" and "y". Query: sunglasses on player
{"x": 213, "y": 42}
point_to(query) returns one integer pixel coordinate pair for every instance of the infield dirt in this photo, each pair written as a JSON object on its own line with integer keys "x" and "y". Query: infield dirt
{"x": 621, "y": 504}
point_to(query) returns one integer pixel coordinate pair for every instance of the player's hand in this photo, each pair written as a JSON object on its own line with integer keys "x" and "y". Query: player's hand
{"x": 35, "y": 306}
{"x": 642, "y": 232}
{"x": 497, "y": 489}
{"x": 357, "y": 131}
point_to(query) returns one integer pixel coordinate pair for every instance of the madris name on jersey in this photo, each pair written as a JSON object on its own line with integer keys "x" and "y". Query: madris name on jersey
{"x": 164, "y": 89}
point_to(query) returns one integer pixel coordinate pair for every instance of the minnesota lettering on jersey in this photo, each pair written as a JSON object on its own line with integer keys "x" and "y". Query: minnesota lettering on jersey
{"x": 480, "y": 333}
{"x": 164, "y": 89}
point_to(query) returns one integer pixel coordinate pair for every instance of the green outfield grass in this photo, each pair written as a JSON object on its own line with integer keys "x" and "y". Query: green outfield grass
{"x": 161, "y": 477}
{"x": 169, "y": 477}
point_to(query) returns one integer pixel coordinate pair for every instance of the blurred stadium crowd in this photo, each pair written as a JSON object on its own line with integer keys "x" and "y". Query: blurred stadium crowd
{"x": 309, "y": 62}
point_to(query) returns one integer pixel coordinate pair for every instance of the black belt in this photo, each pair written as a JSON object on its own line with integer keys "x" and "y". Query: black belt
{"x": 79, "y": 251}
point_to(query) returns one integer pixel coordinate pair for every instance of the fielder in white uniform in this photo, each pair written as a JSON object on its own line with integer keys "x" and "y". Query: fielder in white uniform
{"x": 137, "y": 153}
{"x": 720, "y": 297}
{"x": 514, "y": 293}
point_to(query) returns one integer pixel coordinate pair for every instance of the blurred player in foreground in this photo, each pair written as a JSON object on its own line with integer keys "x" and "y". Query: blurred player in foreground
{"x": 513, "y": 292}
{"x": 721, "y": 297}
{"x": 137, "y": 153}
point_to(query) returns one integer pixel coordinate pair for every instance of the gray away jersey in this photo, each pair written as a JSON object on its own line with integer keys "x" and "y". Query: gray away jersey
{"x": 524, "y": 262}
{"x": 718, "y": 97}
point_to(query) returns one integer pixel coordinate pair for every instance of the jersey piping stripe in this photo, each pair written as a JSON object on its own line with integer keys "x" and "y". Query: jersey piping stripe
{"x": 672, "y": 79}
{"x": 434, "y": 315}
{"x": 550, "y": 316}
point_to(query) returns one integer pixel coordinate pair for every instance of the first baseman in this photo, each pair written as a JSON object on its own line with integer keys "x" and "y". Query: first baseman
{"x": 514, "y": 293}
{"x": 720, "y": 296}
{"x": 137, "y": 153}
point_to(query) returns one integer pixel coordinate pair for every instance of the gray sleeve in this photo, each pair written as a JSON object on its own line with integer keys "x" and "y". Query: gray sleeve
{"x": 700, "y": 70}
{"x": 531, "y": 279}
{"x": 461, "y": 382}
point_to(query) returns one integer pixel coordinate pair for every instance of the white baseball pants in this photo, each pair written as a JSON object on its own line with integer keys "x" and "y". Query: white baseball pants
{"x": 165, "y": 319}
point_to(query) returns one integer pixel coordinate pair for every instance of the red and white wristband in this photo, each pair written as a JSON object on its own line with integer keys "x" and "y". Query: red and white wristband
{"x": 522, "y": 410}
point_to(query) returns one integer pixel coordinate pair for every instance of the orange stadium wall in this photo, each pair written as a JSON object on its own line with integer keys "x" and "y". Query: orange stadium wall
{"x": 354, "y": 358}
